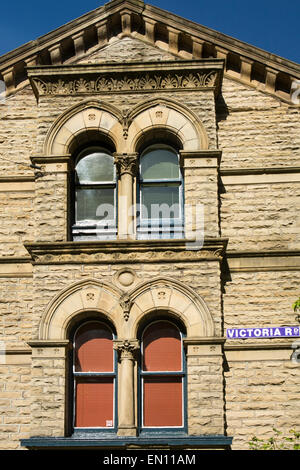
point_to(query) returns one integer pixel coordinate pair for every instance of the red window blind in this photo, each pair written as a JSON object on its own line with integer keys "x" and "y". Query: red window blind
{"x": 162, "y": 347}
{"x": 94, "y": 348}
{"x": 162, "y": 389}
{"x": 162, "y": 401}
{"x": 94, "y": 403}
{"x": 94, "y": 395}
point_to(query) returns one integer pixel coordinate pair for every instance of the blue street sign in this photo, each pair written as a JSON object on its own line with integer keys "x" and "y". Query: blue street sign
{"x": 274, "y": 332}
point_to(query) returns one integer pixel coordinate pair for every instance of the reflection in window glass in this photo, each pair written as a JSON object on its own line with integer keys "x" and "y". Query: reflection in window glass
{"x": 159, "y": 164}
{"x": 95, "y": 167}
{"x": 95, "y": 196}
{"x": 160, "y": 194}
{"x": 95, "y": 204}
{"x": 160, "y": 202}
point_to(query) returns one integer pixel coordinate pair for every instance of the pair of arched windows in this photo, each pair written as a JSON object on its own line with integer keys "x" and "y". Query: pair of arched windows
{"x": 159, "y": 195}
{"x": 161, "y": 377}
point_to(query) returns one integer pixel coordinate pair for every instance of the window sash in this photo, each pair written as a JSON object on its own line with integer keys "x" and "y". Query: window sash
{"x": 182, "y": 410}
{"x": 180, "y": 374}
{"x": 93, "y": 376}
{"x": 107, "y": 223}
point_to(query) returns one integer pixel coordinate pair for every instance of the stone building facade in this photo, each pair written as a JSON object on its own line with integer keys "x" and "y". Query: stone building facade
{"x": 126, "y": 82}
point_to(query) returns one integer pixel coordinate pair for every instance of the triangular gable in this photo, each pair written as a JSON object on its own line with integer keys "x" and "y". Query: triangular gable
{"x": 169, "y": 33}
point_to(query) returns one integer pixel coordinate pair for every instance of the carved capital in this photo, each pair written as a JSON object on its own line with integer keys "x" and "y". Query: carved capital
{"x": 126, "y": 163}
{"x": 127, "y": 349}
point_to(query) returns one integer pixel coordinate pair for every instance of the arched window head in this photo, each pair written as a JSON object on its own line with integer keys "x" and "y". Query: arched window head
{"x": 94, "y": 376}
{"x": 95, "y": 195}
{"x": 162, "y": 377}
{"x": 160, "y": 193}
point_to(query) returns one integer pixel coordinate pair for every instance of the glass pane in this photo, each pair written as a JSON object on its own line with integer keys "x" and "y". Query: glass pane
{"x": 96, "y": 166}
{"x": 95, "y": 204}
{"x": 162, "y": 401}
{"x": 160, "y": 202}
{"x": 94, "y": 348}
{"x": 159, "y": 164}
{"x": 162, "y": 348}
{"x": 94, "y": 402}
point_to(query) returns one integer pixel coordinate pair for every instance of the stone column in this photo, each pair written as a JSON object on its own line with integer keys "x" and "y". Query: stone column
{"x": 126, "y": 167}
{"x": 48, "y": 387}
{"x": 127, "y": 358}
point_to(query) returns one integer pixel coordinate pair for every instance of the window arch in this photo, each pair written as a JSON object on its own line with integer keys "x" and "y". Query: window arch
{"x": 160, "y": 193}
{"x": 162, "y": 377}
{"x": 94, "y": 377}
{"x": 95, "y": 195}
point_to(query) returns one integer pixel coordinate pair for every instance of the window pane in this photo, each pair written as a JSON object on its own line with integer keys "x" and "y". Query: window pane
{"x": 94, "y": 167}
{"x": 94, "y": 348}
{"x": 162, "y": 348}
{"x": 95, "y": 403}
{"x": 162, "y": 401}
{"x": 97, "y": 204}
{"x": 160, "y": 202}
{"x": 159, "y": 164}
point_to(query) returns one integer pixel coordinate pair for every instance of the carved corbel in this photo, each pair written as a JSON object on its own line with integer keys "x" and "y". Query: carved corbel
{"x": 126, "y": 121}
{"x": 126, "y": 304}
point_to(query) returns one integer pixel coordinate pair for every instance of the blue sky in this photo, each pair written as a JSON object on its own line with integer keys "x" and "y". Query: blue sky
{"x": 271, "y": 25}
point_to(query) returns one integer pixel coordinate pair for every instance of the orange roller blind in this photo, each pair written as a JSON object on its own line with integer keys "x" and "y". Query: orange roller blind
{"x": 94, "y": 403}
{"x": 94, "y": 348}
{"x": 162, "y": 401}
{"x": 161, "y": 348}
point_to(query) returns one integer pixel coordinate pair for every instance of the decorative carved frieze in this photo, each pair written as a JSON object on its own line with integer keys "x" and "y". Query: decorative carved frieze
{"x": 71, "y": 80}
{"x": 136, "y": 251}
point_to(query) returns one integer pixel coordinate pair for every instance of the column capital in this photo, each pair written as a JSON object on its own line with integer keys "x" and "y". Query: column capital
{"x": 126, "y": 163}
{"x": 127, "y": 348}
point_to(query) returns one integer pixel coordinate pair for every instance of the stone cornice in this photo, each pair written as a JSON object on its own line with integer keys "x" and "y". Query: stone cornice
{"x": 121, "y": 251}
{"x": 125, "y": 78}
{"x": 279, "y": 73}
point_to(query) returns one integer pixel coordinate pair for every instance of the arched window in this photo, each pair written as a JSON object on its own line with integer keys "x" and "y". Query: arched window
{"x": 162, "y": 377}
{"x": 160, "y": 194}
{"x": 94, "y": 377}
{"x": 95, "y": 195}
